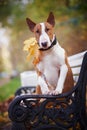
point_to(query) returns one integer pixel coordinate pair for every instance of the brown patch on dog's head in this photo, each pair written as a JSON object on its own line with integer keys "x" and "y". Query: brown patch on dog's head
{"x": 37, "y": 31}
{"x": 49, "y": 30}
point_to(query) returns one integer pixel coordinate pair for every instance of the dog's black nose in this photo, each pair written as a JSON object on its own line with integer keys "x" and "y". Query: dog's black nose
{"x": 44, "y": 44}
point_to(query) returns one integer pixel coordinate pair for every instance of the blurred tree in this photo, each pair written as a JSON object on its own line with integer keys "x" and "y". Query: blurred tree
{"x": 67, "y": 3}
{"x": 13, "y": 13}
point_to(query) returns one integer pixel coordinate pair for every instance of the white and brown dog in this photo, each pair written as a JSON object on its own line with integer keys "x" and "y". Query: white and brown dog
{"x": 54, "y": 73}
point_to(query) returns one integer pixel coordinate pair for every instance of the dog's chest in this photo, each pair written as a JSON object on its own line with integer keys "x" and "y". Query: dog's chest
{"x": 50, "y": 66}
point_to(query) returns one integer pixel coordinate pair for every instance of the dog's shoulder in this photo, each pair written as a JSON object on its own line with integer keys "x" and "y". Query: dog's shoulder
{"x": 37, "y": 57}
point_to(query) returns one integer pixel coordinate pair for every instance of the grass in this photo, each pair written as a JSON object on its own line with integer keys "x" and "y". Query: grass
{"x": 9, "y": 89}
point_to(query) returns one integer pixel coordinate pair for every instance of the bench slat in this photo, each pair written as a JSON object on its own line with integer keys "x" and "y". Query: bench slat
{"x": 76, "y": 63}
{"x": 76, "y": 56}
{"x": 76, "y": 71}
{"x": 75, "y": 78}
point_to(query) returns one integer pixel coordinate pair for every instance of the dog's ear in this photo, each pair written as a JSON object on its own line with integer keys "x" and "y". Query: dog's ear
{"x": 51, "y": 19}
{"x": 31, "y": 24}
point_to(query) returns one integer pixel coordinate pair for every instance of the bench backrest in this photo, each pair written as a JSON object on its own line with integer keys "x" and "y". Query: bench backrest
{"x": 29, "y": 78}
{"x": 75, "y": 62}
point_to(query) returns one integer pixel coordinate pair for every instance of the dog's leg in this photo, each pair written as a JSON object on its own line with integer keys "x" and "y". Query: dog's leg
{"x": 38, "y": 90}
{"x": 43, "y": 85}
{"x": 61, "y": 80}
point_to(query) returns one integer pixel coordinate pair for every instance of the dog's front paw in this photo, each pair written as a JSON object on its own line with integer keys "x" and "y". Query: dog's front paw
{"x": 49, "y": 92}
{"x": 56, "y": 92}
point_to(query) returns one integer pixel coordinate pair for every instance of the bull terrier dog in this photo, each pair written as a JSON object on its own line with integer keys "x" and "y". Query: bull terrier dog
{"x": 51, "y": 63}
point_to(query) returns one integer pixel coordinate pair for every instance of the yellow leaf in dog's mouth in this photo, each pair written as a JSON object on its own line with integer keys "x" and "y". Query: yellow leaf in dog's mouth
{"x": 31, "y": 46}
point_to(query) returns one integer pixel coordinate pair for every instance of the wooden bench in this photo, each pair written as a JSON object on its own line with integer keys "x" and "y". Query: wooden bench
{"x": 61, "y": 112}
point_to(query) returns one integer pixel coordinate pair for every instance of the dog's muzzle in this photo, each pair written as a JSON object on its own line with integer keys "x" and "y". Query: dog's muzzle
{"x": 44, "y": 44}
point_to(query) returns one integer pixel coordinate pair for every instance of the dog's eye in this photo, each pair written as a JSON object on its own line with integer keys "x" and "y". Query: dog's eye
{"x": 37, "y": 31}
{"x": 47, "y": 29}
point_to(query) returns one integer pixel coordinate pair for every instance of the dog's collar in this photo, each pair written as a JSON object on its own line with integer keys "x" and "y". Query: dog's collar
{"x": 53, "y": 43}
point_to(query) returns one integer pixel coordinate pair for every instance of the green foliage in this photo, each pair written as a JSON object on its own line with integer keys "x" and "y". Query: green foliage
{"x": 14, "y": 13}
{"x": 9, "y": 89}
{"x": 5, "y": 10}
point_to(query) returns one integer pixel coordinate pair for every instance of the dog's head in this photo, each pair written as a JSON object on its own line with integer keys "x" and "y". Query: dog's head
{"x": 43, "y": 31}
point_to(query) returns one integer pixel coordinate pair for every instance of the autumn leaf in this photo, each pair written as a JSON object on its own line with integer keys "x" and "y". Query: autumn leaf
{"x": 30, "y": 46}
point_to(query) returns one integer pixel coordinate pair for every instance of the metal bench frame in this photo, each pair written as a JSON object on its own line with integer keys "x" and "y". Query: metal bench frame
{"x": 60, "y": 112}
